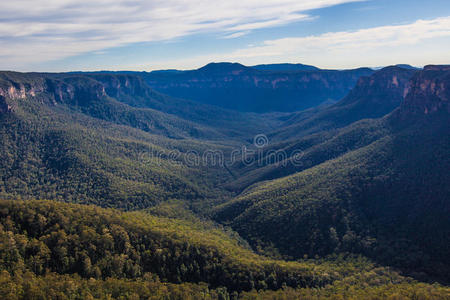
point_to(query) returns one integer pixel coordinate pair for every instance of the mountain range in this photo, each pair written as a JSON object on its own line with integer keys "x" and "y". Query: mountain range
{"x": 262, "y": 88}
{"x": 227, "y": 181}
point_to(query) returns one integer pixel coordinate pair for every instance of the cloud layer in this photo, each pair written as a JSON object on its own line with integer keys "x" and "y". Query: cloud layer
{"x": 363, "y": 40}
{"x": 422, "y": 42}
{"x": 40, "y": 30}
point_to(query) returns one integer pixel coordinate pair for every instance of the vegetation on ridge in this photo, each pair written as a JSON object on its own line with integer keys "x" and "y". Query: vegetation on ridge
{"x": 366, "y": 185}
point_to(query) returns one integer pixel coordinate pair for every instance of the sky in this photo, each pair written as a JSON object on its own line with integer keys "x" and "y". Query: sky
{"x": 145, "y": 35}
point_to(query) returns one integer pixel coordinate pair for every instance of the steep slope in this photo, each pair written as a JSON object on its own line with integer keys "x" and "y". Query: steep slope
{"x": 317, "y": 135}
{"x": 295, "y": 155}
{"x": 388, "y": 199}
{"x": 372, "y": 97}
{"x": 67, "y": 139}
{"x": 88, "y": 96}
{"x": 242, "y": 88}
{"x": 130, "y": 89}
{"x": 429, "y": 94}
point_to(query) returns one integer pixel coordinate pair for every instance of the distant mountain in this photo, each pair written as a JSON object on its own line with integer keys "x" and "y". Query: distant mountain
{"x": 404, "y": 66}
{"x": 285, "y": 67}
{"x": 372, "y": 97}
{"x": 249, "y": 89}
{"x": 171, "y": 71}
{"x": 133, "y": 91}
{"x": 387, "y": 198}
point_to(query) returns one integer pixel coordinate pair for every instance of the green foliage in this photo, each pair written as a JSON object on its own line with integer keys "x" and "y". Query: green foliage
{"x": 370, "y": 287}
{"x": 388, "y": 200}
{"x": 54, "y": 286}
{"x": 93, "y": 242}
{"x": 77, "y": 158}
{"x": 110, "y": 140}
{"x": 52, "y": 250}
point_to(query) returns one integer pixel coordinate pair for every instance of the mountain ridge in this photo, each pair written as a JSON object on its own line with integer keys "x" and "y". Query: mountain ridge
{"x": 320, "y": 132}
{"x": 385, "y": 197}
{"x": 247, "y": 89}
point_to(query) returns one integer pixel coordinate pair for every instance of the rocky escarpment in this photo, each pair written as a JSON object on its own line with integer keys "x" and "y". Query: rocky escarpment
{"x": 48, "y": 89}
{"x": 15, "y": 86}
{"x": 74, "y": 90}
{"x": 238, "y": 87}
{"x": 383, "y": 91}
{"x": 120, "y": 85}
{"x": 18, "y": 91}
{"x": 429, "y": 93}
{"x": 373, "y": 97}
{"x": 20, "y": 86}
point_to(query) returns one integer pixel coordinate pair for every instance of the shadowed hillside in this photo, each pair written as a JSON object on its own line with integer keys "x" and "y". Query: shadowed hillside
{"x": 387, "y": 199}
{"x": 325, "y": 133}
{"x": 260, "y": 89}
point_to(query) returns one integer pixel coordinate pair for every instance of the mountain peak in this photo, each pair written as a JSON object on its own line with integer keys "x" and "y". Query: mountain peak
{"x": 406, "y": 66}
{"x": 224, "y": 67}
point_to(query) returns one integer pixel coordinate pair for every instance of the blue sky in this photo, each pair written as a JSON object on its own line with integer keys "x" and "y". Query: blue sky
{"x": 67, "y": 35}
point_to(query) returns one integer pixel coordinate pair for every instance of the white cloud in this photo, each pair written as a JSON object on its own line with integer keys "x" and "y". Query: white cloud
{"x": 419, "y": 43}
{"x": 40, "y": 30}
{"x": 361, "y": 40}
{"x": 236, "y": 34}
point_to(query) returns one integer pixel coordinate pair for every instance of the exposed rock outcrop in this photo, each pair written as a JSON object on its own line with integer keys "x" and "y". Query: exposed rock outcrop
{"x": 429, "y": 93}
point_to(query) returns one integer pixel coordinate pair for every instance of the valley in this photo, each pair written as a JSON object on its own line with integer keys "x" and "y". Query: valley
{"x": 226, "y": 182}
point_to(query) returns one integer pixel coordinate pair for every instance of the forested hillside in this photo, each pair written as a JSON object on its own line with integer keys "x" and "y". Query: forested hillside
{"x": 112, "y": 190}
{"x": 387, "y": 199}
{"x": 110, "y": 140}
{"x": 314, "y": 136}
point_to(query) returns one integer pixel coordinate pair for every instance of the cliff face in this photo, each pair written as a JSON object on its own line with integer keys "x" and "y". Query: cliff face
{"x": 235, "y": 86}
{"x": 78, "y": 91}
{"x": 47, "y": 89}
{"x": 385, "y": 89}
{"x": 429, "y": 93}
{"x": 118, "y": 86}
{"x": 373, "y": 97}
{"x": 18, "y": 91}
{"x": 20, "y": 86}
{"x": 15, "y": 86}
{"x": 230, "y": 86}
